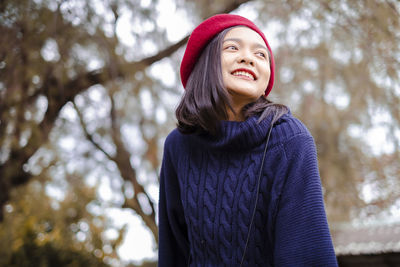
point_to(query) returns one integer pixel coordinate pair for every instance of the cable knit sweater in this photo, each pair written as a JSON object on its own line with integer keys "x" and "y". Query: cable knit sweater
{"x": 207, "y": 195}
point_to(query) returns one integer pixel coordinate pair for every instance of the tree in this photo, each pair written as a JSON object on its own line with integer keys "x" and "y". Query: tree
{"x": 42, "y": 231}
{"x": 72, "y": 81}
{"x": 48, "y": 52}
{"x": 338, "y": 68}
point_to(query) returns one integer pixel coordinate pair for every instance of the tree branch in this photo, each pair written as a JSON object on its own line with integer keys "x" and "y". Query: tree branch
{"x": 128, "y": 173}
{"x": 58, "y": 94}
{"x": 89, "y": 136}
{"x": 133, "y": 204}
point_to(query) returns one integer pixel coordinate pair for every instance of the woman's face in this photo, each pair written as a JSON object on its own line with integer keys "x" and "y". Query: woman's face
{"x": 245, "y": 65}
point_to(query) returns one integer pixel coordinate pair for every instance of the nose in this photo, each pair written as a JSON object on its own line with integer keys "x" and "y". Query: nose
{"x": 246, "y": 57}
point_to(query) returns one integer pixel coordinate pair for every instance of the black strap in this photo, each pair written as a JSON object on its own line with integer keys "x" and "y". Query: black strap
{"x": 258, "y": 190}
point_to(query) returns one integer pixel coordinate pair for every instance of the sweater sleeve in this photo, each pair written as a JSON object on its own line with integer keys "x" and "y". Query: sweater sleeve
{"x": 173, "y": 248}
{"x": 302, "y": 236}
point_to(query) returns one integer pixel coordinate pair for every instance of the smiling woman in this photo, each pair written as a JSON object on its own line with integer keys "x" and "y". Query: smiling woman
{"x": 245, "y": 67}
{"x": 208, "y": 98}
{"x": 239, "y": 182}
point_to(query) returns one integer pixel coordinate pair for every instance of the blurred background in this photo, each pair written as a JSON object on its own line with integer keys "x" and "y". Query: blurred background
{"x": 88, "y": 90}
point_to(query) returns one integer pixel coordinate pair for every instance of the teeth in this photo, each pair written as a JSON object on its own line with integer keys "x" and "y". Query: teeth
{"x": 243, "y": 73}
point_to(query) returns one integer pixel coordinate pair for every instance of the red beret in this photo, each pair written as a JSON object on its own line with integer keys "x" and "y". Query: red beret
{"x": 206, "y": 31}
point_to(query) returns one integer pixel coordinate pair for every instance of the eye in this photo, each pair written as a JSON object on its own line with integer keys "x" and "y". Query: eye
{"x": 230, "y": 47}
{"x": 261, "y": 54}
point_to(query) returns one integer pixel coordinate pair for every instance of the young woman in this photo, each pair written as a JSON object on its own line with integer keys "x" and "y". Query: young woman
{"x": 239, "y": 182}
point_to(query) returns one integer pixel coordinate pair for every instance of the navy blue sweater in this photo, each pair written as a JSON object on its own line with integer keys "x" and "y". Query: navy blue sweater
{"x": 207, "y": 195}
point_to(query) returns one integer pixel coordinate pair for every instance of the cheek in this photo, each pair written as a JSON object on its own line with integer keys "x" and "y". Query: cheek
{"x": 225, "y": 78}
{"x": 225, "y": 67}
{"x": 224, "y": 63}
{"x": 266, "y": 75}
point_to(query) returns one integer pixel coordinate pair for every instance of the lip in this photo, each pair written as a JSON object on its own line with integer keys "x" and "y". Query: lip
{"x": 246, "y": 70}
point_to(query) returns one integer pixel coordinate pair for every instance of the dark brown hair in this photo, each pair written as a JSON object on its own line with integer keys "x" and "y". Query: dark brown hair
{"x": 204, "y": 104}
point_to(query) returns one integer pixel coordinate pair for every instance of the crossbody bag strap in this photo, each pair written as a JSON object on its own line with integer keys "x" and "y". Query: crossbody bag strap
{"x": 257, "y": 193}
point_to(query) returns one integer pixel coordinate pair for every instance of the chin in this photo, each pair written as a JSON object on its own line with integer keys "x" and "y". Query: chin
{"x": 245, "y": 92}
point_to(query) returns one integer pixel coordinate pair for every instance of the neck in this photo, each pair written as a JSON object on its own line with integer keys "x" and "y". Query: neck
{"x": 235, "y": 116}
{"x": 238, "y": 102}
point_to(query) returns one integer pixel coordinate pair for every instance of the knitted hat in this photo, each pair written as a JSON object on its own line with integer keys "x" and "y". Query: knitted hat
{"x": 206, "y": 31}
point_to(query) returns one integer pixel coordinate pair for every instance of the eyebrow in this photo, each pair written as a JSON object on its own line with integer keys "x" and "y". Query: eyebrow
{"x": 255, "y": 45}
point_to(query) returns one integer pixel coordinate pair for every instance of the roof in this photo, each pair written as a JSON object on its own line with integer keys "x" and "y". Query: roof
{"x": 373, "y": 239}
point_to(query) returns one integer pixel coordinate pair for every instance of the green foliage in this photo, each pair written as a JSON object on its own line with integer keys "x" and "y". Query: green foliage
{"x": 41, "y": 231}
{"x": 48, "y": 255}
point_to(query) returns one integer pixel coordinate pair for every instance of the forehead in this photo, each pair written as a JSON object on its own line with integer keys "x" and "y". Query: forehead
{"x": 244, "y": 34}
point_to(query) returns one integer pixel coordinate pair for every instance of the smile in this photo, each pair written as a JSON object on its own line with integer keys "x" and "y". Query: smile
{"x": 244, "y": 73}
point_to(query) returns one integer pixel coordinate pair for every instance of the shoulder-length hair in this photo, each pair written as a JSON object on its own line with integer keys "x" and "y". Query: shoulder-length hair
{"x": 205, "y": 101}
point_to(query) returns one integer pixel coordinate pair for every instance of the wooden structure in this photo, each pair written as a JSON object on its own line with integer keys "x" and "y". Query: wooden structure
{"x": 368, "y": 246}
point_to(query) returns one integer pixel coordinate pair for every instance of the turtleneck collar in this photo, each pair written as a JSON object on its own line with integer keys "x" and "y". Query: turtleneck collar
{"x": 237, "y": 135}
